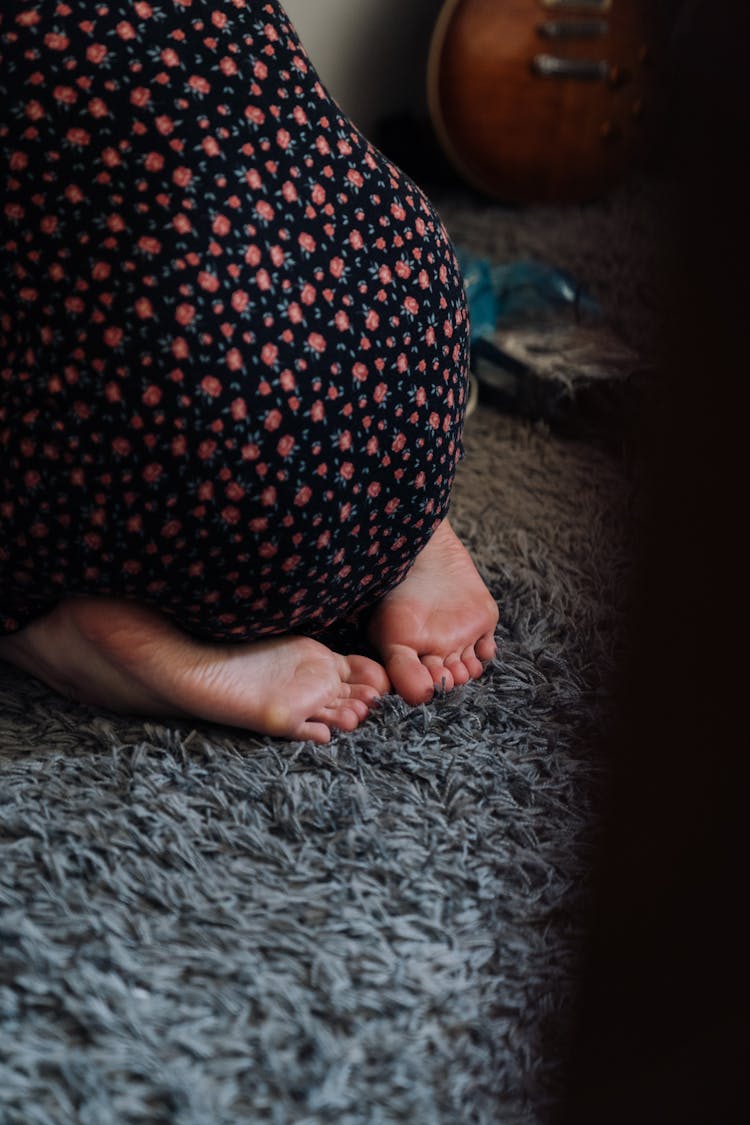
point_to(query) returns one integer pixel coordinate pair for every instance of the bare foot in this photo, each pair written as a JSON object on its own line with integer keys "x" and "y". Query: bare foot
{"x": 121, "y": 655}
{"x": 437, "y": 627}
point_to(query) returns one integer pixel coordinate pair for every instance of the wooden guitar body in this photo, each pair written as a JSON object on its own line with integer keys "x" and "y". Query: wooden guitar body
{"x": 541, "y": 99}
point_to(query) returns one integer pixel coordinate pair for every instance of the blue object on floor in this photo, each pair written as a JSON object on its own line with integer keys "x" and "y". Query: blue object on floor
{"x": 521, "y": 292}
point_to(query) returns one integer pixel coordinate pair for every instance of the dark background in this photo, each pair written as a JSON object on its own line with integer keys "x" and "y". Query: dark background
{"x": 662, "y": 1034}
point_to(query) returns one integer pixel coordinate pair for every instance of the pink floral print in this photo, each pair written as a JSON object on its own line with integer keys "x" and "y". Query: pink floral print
{"x": 233, "y": 336}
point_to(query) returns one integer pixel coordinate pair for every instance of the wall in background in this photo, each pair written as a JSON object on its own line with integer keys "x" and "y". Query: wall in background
{"x": 370, "y": 54}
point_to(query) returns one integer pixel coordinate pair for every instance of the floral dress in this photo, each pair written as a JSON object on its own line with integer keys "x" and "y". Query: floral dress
{"x": 233, "y": 336}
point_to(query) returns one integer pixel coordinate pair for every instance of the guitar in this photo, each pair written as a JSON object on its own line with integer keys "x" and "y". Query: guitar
{"x": 542, "y": 100}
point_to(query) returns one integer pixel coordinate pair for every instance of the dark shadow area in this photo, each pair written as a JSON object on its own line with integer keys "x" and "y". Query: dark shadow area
{"x": 662, "y": 1022}
{"x": 408, "y": 139}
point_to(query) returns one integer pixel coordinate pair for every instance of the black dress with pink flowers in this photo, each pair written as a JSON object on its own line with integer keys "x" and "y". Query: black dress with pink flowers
{"x": 233, "y": 336}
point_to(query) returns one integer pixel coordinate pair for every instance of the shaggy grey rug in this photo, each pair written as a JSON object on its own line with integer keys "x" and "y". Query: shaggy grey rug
{"x": 200, "y": 927}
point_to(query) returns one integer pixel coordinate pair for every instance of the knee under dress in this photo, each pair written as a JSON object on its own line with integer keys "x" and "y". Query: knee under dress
{"x": 233, "y": 336}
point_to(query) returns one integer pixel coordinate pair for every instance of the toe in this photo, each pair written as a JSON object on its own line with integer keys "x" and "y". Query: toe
{"x": 367, "y": 694}
{"x": 344, "y": 718}
{"x": 457, "y": 667}
{"x": 409, "y": 676}
{"x": 364, "y": 671}
{"x": 359, "y": 707}
{"x": 312, "y": 732}
{"x": 442, "y": 677}
{"x": 486, "y": 647}
{"x": 471, "y": 662}
{"x": 345, "y": 714}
